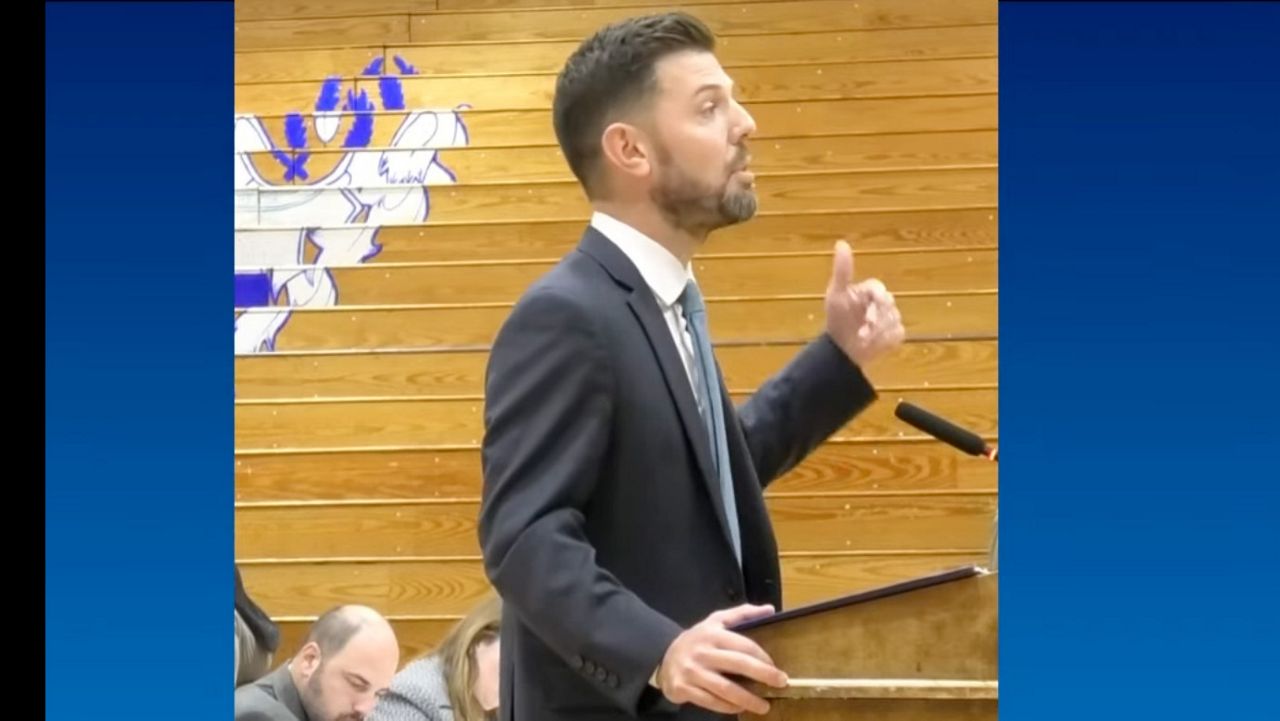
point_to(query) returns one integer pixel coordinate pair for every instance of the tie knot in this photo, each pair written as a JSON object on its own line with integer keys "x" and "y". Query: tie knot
{"x": 691, "y": 299}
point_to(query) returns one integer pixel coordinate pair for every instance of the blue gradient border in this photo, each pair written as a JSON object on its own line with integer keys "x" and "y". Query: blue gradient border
{"x": 1139, "y": 256}
{"x": 138, "y": 324}
{"x": 1139, "y": 189}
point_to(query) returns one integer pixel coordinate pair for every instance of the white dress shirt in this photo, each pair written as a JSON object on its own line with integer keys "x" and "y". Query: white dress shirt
{"x": 665, "y": 276}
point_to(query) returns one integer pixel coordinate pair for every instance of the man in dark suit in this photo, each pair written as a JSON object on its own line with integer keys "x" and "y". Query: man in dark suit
{"x": 623, "y": 518}
{"x": 347, "y": 661}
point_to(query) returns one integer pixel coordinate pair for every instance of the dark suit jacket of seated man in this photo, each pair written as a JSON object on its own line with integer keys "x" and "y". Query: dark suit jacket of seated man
{"x": 347, "y": 661}
{"x": 623, "y": 518}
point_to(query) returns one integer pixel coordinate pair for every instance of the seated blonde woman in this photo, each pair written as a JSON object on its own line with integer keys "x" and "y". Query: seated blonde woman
{"x": 456, "y": 682}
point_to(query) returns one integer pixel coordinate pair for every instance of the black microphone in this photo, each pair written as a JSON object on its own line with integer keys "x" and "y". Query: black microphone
{"x": 945, "y": 431}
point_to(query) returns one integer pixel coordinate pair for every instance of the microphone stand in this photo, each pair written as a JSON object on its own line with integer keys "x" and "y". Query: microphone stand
{"x": 963, "y": 440}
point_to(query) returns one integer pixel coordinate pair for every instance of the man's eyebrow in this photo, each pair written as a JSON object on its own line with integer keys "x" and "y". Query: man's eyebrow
{"x": 713, "y": 86}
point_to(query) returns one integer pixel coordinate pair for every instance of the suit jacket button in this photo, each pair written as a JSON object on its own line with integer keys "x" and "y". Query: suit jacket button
{"x": 601, "y": 674}
{"x": 589, "y": 666}
{"x": 577, "y": 662}
{"x": 732, "y": 593}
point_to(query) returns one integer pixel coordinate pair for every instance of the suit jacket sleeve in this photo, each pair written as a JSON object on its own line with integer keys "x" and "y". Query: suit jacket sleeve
{"x": 549, "y": 401}
{"x": 802, "y": 406}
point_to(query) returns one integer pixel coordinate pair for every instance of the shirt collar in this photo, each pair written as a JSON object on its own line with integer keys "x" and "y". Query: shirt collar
{"x": 662, "y": 271}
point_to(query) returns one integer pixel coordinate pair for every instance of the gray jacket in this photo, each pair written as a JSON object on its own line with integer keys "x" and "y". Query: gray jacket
{"x": 418, "y": 693}
{"x": 271, "y": 698}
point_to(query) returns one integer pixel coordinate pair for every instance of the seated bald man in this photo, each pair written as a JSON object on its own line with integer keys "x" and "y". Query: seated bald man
{"x": 346, "y": 662}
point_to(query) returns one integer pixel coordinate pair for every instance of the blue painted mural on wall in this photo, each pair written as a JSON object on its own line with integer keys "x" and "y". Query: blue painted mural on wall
{"x": 335, "y": 216}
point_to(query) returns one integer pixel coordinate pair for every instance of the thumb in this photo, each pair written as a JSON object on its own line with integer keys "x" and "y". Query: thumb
{"x": 842, "y": 272}
{"x": 741, "y": 614}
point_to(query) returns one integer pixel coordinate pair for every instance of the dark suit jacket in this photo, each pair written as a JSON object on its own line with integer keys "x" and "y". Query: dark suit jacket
{"x": 602, "y": 524}
{"x": 271, "y": 698}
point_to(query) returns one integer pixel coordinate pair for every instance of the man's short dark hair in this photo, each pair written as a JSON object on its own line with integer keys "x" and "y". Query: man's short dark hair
{"x": 610, "y": 72}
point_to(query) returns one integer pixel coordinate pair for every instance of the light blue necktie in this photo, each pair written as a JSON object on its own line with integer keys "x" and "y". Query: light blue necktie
{"x": 707, "y": 383}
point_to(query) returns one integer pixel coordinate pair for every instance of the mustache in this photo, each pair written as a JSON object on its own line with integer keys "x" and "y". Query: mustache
{"x": 743, "y": 157}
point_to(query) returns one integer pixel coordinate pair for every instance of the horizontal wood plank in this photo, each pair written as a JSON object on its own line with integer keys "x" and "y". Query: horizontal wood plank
{"x": 543, "y": 163}
{"x": 454, "y": 587}
{"x": 472, "y": 59}
{"x": 287, "y": 9}
{"x": 820, "y": 47}
{"x": 773, "y": 233}
{"x": 888, "y": 190}
{"x": 284, "y": 9}
{"x": 726, "y": 19}
{"x": 303, "y": 64}
{"x": 952, "y": 271}
{"x": 834, "y": 467}
{"x": 445, "y": 5}
{"x": 802, "y": 525}
{"x": 279, "y": 376}
{"x": 945, "y": 316}
{"x": 829, "y": 81}
{"x": 412, "y": 422}
{"x": 507, "y": 128}
{"x": 361, "y": 30}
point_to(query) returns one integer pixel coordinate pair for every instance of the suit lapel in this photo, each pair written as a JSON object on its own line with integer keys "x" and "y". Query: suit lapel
{"x": 646, "y": 310}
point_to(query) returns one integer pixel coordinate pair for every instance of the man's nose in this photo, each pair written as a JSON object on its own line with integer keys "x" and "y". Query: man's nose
{"x": 746, "y": 124}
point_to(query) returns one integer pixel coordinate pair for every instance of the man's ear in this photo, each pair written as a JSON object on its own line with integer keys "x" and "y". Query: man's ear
{"x": 627, "y": 149}
{"x": 308, "y": 659}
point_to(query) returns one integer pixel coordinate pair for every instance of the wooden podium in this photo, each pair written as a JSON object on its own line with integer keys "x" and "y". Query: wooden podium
{"x": 921, "y": 650}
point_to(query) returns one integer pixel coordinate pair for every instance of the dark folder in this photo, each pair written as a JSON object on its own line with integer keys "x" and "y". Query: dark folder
{"x": 863, "y": 596}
